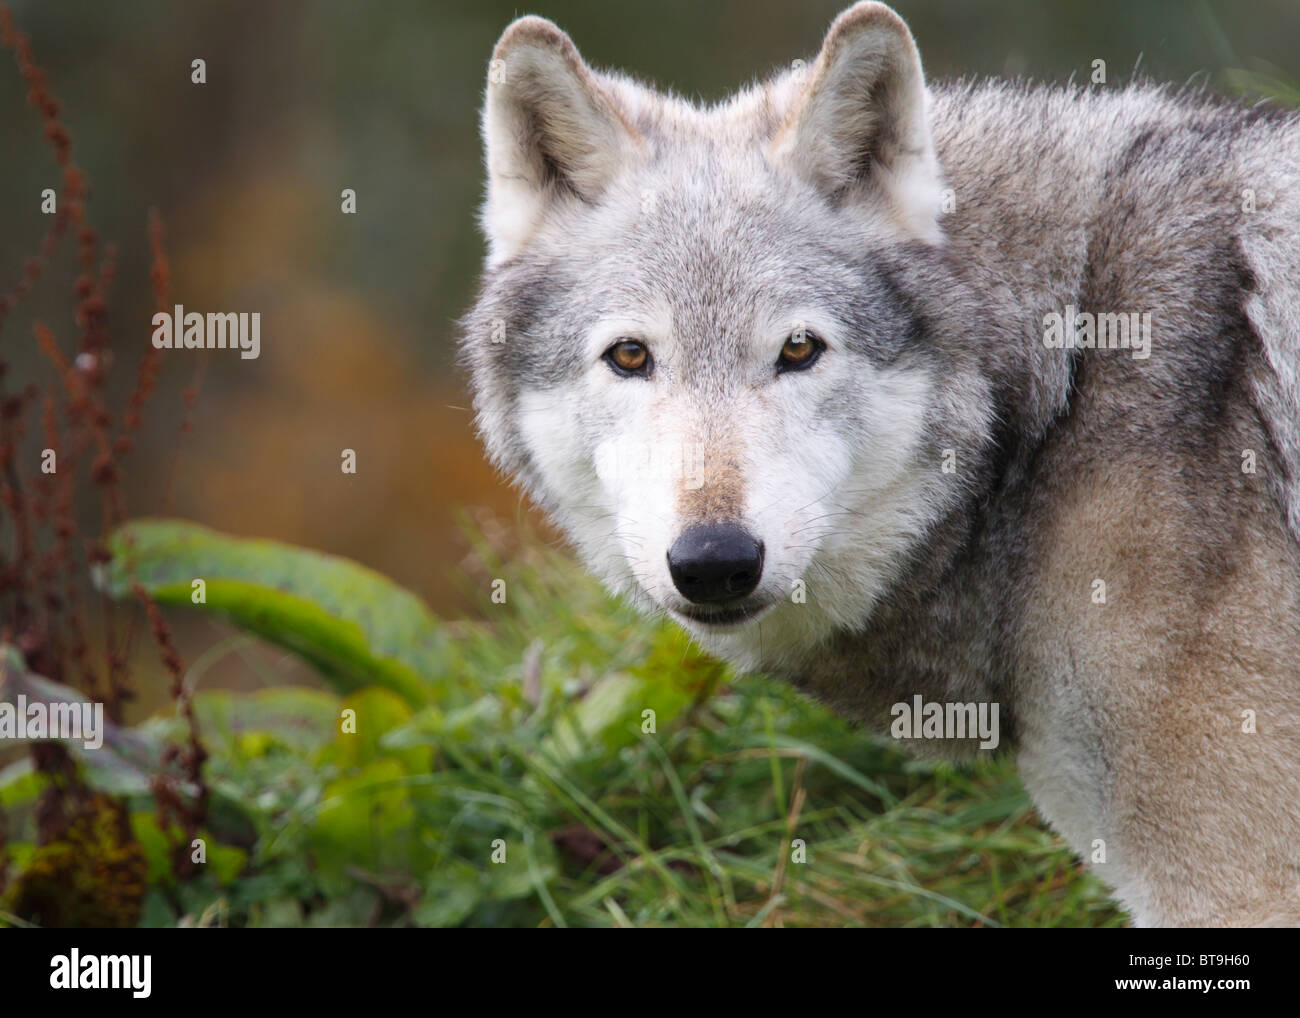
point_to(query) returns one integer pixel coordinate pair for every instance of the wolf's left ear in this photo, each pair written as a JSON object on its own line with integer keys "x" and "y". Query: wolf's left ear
{"x": 860, "y": 127}
{"x": 551, "y": 131}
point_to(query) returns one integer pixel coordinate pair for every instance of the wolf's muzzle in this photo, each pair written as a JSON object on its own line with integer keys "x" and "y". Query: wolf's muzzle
{"x": 715, "y": 562}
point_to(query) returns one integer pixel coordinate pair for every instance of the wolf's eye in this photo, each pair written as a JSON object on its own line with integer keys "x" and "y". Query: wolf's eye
{"x": 628, "y": 357}
{"x": 799, "y": 352}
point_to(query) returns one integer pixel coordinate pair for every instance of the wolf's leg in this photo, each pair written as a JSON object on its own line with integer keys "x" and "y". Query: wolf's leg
{"x": 1160, "y": 720}
{"x": 1181, "y": 795}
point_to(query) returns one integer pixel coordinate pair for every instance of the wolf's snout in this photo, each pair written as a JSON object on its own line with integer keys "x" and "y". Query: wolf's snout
{"x": 715, "y": 562}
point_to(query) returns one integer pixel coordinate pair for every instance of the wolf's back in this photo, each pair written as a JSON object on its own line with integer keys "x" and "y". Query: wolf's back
{"x": 1062, "y": 193}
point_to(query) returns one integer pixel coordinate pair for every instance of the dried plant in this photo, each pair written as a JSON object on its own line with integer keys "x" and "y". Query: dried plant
{"x": 47, "y": 609}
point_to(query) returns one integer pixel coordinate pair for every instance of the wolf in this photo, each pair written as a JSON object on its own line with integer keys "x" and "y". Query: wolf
{"x": 856, "y": 316}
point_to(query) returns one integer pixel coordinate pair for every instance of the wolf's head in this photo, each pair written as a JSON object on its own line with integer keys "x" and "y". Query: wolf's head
{"x": 724, "y": 347}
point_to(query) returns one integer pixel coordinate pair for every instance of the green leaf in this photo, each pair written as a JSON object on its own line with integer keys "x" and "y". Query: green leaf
{"x": 451, "y": 894}
{"x": 227, "y": 862}
{"x": 366, "y": 819}
{"x": 20, "y": 784}
{"x": 377, "y": 712}
{"x": 126, "y": 761}
{"x": 673, "y": 675}
{"x": 300, "y": 719}
{"x": 156, "y": 844}
{"x": 607, "y": 713}
{"x": 354, "y": 625}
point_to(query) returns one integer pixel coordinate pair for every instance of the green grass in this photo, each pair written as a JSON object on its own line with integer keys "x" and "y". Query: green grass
{"x": 531, "y": 748}
{"x": 694, "y": 825}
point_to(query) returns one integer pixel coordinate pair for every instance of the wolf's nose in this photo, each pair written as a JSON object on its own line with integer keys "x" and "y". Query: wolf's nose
{"x": 715, "y": 562}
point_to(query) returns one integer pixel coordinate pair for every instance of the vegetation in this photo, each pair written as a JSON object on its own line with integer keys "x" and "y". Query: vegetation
{"x": 439, "y": 748}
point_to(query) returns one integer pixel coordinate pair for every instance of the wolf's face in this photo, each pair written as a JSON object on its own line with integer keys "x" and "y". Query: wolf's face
{"x": 713, "y": 343}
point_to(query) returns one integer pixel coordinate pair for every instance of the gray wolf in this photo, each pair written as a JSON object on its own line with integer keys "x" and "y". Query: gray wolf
{"x": 968, "y": 394}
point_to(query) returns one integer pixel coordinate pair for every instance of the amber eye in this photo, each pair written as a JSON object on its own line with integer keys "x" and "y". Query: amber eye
{"x": 628, "y": 357}
{"x": 799, "y": 351}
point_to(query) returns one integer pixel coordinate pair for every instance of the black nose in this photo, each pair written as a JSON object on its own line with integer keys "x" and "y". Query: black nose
{"x": 715, "y": 562}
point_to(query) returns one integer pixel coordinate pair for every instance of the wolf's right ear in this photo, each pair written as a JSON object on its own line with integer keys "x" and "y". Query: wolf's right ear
{"x": 859, "y": 124}
{"x": 550, "y": 130}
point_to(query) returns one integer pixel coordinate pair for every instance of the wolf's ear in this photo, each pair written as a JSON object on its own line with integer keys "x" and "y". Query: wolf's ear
{"x": 859, "y": 125}
{"x": 550, "y": 130}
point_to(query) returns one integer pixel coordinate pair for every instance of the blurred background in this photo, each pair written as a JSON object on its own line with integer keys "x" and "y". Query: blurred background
{"x": 305, "y": 99}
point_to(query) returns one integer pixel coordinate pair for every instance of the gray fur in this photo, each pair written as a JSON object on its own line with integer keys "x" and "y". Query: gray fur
{"x": 821, "y": 191}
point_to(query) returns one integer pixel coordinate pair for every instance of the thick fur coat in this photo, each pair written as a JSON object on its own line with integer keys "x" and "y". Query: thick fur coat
{"x": 977, "y": 490}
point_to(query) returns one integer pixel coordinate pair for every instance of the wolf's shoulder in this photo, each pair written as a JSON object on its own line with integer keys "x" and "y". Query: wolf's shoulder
{"x": 1098, "y": 127}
